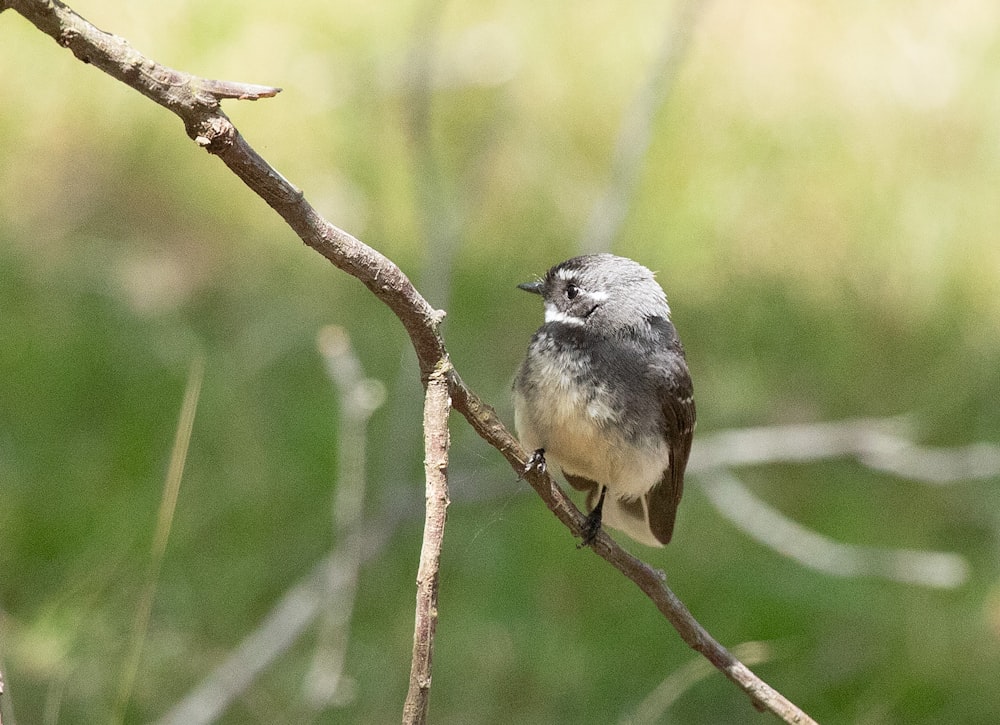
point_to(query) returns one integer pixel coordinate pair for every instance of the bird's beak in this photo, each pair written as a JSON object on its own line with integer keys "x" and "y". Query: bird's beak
{"x": 535, "y": 287}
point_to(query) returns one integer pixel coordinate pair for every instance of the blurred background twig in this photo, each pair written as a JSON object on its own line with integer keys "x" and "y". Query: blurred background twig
{"x": 326, "y": 683}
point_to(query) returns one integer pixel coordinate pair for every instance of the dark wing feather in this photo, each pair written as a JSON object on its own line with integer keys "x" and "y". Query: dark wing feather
{"x": 677, "y": 394}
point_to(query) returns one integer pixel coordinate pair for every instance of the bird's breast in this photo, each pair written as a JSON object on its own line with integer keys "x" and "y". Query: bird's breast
{"x": 562, "y": 407}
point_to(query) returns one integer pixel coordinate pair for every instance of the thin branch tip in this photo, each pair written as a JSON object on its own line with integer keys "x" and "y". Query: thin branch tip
{"x": 222, "y": 90}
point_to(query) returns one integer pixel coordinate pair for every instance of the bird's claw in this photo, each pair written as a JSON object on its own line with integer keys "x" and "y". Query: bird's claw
{"x": 536, "y": 462}
{"x": 591, "y": 528}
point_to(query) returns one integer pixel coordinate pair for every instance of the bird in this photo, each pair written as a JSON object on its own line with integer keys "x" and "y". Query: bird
{"x": 604, "y": 393}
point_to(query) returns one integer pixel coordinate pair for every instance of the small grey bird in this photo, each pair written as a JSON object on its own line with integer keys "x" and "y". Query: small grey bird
{"x": 604, "y": 393}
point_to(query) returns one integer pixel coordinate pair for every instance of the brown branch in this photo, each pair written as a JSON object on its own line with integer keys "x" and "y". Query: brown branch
{"x": 196, "y": 102}
{"x": 437, "y": 405}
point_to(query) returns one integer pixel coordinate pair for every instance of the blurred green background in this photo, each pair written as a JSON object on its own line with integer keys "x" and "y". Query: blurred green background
{"x": 819, "y": 196}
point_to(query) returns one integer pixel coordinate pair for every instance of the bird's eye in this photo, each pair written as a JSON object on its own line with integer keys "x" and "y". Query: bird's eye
{"x": 572, "y": 291}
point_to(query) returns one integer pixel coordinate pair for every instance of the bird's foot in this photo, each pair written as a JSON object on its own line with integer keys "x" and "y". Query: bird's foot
{"x": 591, "y": 528}
{"x": 592, "y": 524}
{"x": 536, "y": 462}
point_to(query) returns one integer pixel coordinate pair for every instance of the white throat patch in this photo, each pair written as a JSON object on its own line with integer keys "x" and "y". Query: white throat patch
{"x": 554, "y": 315}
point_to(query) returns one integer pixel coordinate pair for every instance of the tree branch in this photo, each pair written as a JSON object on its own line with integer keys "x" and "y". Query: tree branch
{"x": 437, "y": 405}
{"x": 196, "y": 102}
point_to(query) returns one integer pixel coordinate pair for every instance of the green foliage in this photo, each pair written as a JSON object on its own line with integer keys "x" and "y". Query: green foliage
{"x": 818, "y": 199}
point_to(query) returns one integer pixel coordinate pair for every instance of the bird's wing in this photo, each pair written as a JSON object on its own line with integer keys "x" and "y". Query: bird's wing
{"x": 679, "y": 416}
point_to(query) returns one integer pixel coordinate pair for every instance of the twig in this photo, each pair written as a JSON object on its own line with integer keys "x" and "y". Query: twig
{"x": 799, "y": 443}
{"x": 359, "y": 397}
{"x": 181, "y": 92}
{"x": 938, "y": 467}
{"x": 212, "y": 130}
{"x": 879, "y": 443}
{"x": 437, "y": 405}
{"x": 761, "y": 521}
